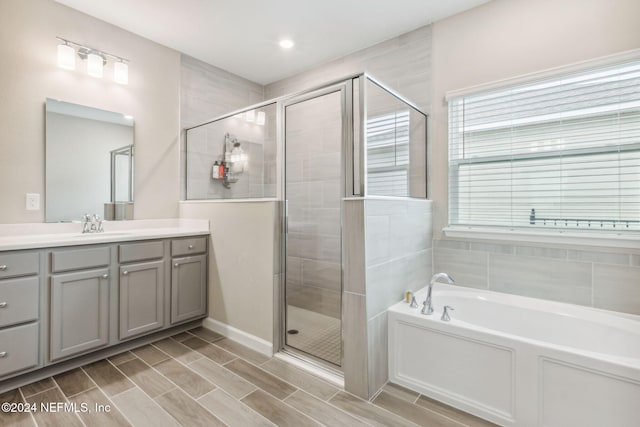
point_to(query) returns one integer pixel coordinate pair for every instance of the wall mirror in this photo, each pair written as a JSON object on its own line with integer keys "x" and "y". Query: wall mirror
{"x": 88, "y": 160}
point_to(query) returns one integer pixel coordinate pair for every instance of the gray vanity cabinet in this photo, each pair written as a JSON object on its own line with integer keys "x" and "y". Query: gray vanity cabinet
{"x": 188, "y": 279}
{"x": 142, "y": 287}
{"x": 79, "y": 312}
{"x": 79, "y": 301}
{"x": 19, "y": 312}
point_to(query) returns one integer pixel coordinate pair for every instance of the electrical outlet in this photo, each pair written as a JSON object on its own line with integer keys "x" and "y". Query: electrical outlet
{"x": 33, "y": 201}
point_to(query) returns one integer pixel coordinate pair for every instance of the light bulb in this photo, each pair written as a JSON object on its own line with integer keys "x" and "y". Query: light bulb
{"x": 286, "y": 43}
{"x": 121, "y": 73}
{"x": 94, "y": 65}
{"x": 66, "y": 57}
{"x": 261, "y": 118}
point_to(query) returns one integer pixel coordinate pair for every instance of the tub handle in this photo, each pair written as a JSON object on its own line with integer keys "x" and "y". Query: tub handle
{"x": 413, "y": 303}
{"x": 445, "y": 313}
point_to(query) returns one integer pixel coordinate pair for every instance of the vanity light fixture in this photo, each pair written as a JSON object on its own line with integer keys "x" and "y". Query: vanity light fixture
{"x": 96, "y": 60}
{"x": 95, "y": 65}
{"x": 66, "y": 56}
{"x": 121, "y": 72}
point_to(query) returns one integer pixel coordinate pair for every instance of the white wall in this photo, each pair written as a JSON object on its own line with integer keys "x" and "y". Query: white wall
{"x": 507, "y": 38}
{"x": 241, "y": 262}
{"x": 30, "y": 74}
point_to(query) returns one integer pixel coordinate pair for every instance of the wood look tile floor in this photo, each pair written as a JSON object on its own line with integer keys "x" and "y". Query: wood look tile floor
{"x": 199, "y": 378}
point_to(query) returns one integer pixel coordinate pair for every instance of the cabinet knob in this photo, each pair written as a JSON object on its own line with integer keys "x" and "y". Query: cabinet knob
{"x": 176, "y": 264}
{"x": 3, "y": 304}
{"x": 105, "y": 276}
{"x": 190, "y": 246}
{"x": 3, "y": 267}
{"x": 124, "y": 273}
{"x": 3, "y": 354}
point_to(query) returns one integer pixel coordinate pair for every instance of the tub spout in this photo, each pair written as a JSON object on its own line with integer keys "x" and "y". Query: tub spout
{"x": 427, "y": 306}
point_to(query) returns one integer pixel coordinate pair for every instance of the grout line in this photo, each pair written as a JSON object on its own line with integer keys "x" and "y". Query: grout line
{"x": 24, "y": 399}
{"x": 337, "y": 408}
{"x": 118, "y": 408}
{"x": 356, "y": 416}
{"x": 333, "y": 395}
{"x": 251, "y": 392}
{"x": 67, "y": 399}
{"x": 46, "y": 389}
{"x": 444, "y": 416}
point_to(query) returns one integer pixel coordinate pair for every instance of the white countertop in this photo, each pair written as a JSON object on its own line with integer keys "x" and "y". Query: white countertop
{"x": 46, "y": 235}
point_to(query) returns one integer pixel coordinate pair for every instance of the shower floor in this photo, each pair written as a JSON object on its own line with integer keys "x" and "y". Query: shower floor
{"x": 318, "y": 334}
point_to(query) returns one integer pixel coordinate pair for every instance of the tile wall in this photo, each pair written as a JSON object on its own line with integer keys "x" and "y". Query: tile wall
{"x": 387, "y": 254}
{"x": 604, "y": 278}
{"x": 207, "y": 92}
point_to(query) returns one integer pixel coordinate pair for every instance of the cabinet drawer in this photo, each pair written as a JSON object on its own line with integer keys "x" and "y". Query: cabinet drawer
{"x": 19, "y": 300}
{"x": 195, "y": 245}
{"x": 141, "y": 251}
{"x": 78, "y": 259}
{"x": 18, "y": 348}
{"x": 19, "y": 264}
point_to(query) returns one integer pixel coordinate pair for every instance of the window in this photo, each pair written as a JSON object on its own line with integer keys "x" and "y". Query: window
{"x": 559, "y": 152}
{"x": 388, "y": 154}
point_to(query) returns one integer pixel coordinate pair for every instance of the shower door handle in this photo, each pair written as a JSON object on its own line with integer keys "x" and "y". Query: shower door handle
{"x": 286, "y": 217}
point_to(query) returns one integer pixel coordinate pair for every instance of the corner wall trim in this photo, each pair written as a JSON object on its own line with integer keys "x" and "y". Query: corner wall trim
{"x": 253, "y": 342}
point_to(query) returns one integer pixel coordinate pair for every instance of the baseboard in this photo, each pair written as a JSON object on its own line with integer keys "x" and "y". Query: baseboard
{"x": 253, "y": 342}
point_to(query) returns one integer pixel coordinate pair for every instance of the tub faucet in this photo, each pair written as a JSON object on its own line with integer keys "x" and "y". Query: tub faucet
{"x": 427, "y": 306}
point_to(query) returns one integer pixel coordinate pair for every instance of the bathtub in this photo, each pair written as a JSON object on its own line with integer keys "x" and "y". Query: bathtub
{"x": 519, "y": 361}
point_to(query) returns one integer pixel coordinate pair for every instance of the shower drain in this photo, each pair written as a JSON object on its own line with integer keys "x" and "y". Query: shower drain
{"x": 292, "y": 331}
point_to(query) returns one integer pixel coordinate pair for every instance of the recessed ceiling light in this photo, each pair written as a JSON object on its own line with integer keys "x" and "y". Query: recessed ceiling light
{"x": 286, "y": 43}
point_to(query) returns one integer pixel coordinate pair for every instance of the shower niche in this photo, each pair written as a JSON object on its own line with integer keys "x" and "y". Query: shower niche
{"x": 316, "y": 152}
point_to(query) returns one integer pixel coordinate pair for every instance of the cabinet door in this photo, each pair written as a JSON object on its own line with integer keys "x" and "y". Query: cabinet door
{"x": 188, "y": 288}
{"x": 79, "y": 312}
{"x": 141, "y": 298}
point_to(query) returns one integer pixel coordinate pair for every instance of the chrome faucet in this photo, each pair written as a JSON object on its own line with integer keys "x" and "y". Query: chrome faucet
{"x": 427, "y": 305}
{"x": 92, "y": 224}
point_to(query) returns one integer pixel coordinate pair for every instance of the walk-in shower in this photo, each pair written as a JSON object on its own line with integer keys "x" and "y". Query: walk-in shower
{"x": 313, "y": 151}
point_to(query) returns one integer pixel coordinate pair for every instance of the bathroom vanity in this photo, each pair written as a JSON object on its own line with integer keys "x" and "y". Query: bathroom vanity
{"x": 64, "y": 294}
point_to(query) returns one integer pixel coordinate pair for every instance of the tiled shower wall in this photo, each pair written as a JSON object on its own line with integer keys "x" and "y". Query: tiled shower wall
{"x": 385, "y": 255}
{"x": 207, "y": 92}
{"x": 602, "y": 278}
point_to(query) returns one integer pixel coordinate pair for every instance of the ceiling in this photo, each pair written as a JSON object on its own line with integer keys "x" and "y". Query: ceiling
{"x": 241, "y": 36}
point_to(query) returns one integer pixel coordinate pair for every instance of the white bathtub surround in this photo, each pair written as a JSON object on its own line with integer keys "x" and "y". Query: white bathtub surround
{"x": 519, "y": 361}
{"x": 41, "y": 235}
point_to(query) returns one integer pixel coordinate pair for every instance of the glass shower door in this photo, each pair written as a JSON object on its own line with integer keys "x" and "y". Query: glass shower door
{"x": 313, "y": 191}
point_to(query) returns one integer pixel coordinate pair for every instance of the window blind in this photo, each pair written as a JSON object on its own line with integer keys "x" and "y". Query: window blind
{"x": 559, "y": 152}
{"x": 388, "y": 154}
